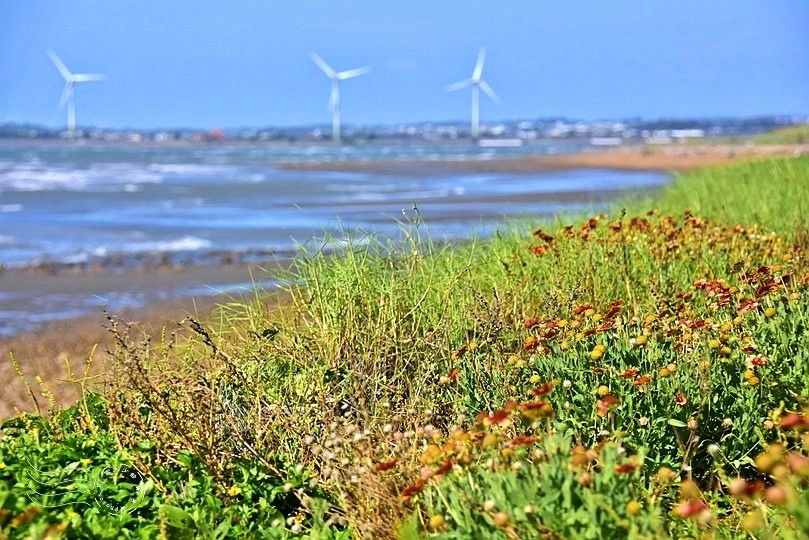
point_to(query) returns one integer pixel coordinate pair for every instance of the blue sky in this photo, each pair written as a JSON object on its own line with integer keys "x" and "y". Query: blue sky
{"x": 245, "y": 63}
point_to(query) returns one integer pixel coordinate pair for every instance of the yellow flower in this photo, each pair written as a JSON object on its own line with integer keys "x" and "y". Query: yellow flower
{"x": 770, "y": 312}
{"x": 749, "y": 374}
{"x": 473, "y": 345}
{"x": 603, "y": 390}
{"x": 2, "y": 465}
{"x": 86, "y": 461}
{"x": 633, "y": 508}
{"x": 535, "y": 379}
{"x": 641, "y": 340}
{"x": 714, "y": 344}
{"x": 437, "y": 522}
{"x": 234, "y": 490}
{"x": 664, "y": 372}
{"x": 596, "y": 354}
{"x": 752, "y": 381}
{"x": 589, "y": 312}
{"x": 724, "y": 351}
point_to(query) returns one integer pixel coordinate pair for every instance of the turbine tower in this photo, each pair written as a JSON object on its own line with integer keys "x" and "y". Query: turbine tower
{"x": 334, "y": 98}
{"x": 477, "y": 83}
{"x": 67, "y": 94}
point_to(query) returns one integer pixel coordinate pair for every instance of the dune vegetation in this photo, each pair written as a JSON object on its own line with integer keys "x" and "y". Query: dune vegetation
{"x": 641, "y": 374}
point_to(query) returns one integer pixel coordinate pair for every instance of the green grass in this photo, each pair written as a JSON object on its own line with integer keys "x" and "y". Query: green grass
{"x": 494, "y": 389}
{"x": 788, "y": 135}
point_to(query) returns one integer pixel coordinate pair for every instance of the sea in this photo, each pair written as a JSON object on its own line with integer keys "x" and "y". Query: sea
{"x": 72, "y": 205}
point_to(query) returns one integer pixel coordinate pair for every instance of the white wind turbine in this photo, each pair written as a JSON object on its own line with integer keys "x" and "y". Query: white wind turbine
{"x": 67, "y": 94}
{"x": 477, "y": 84}
{"x": 334, "y": 98}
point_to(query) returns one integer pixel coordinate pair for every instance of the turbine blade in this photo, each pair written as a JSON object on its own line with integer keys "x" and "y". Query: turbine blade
{"x": 88, "y": 77}
{"x": 324, "y": 67}
{"x": 60, "y": 65}
{"x": 478, "y": 72}
{"x": 488, "y": 91}
{"x": 458, "y": 85}
{"x": 64, "y": 98}
{"x": 351, "y": 73}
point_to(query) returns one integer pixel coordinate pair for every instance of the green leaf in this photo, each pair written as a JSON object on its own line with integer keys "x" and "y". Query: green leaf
{"x": 676, "y": 423}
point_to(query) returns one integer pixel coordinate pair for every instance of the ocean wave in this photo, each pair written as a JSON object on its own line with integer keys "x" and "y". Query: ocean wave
{"x": 39, "y": 177}
{"x": 184, "y": 243}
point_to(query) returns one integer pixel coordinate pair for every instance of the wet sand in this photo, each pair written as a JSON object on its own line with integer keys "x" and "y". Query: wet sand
{"x": 43, "y": 352}
{"x": 681, "y": 157}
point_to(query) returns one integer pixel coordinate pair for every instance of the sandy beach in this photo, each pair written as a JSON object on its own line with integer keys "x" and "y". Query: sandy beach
{"x": 43, "y": 353}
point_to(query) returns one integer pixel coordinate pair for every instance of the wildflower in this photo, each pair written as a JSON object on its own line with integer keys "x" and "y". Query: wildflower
{"x": 534, "y": 379}
{"x": 756, "y": 361}
{"x": 687, "y": 509}
{"x": 752, "y": 381}
{"x": 437, "y": 522}
{"x": 713, "y": 449}
{"x": 500, "y": 519}
{"x": 633, "y": 508}
{"x": 714, "y": 344}
{"x": 629, "y": 373}
{"x": 777, "y": 495}
{"x": 86, "y": 461}
{"x": 2, "y": 465}
{"x": 727, "y": 423}
{"x": 770, "y": 312}
{"x": 680, "y": 399}
{"x": 605, "y": 403}
{"x": 473, "y": 345}
{"x": 602, "y": 391}
{"x": 692, "y": 424}
{"x": 596, "y": 353}
{"x": 642, "y": 380}
{"x": 234, "y": 490}
{"x": 664, "y": 372}
{"x": 752, "y": 521}
{"x": 641, "y": 340}
{"x": 794, "y": 421}
{"x": 566, "y": 384}
{"x": 725, "y": 350}
{"x": 643, "y": 421}
{"x": 386, "y": 465}
{"x": 489, "y": 505}
{"x": 546, "y": 388}
{"x": 626, "y": 468}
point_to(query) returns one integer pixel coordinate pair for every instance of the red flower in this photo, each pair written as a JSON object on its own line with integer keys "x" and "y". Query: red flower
{"x": 605, "y": 403}
{"x": 680, "y": 399}
{"x": 687, "y": 509}
{"x": 794, "y": 421}
{"x": 386, "y": 465}
{"x": 625, "y": 468}
{"x": 629, "y": 373}
{"x": 546, "y": 388}
{"x": 416, "y": 488}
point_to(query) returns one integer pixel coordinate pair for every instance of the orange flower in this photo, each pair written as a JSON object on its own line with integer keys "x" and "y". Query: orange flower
{"x": 629, "y": 373}
{"x": 642, "y": 380}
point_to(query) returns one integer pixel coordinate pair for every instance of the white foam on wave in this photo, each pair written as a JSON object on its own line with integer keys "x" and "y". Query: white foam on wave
{"x": 189, "y": 169}
{"x": 43, "y": 177}
{"x": 184, "y": 243}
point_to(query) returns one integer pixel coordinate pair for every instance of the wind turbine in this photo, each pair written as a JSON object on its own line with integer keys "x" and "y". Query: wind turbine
{"x": 334, "y": 98}
{"x": 477, "y": 83}
{"x": 67, "y": 94}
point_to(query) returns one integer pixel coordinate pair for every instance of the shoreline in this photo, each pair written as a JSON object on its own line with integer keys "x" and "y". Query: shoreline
{"x": 663, "y": 158}
{"x": 42, "y": 351}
